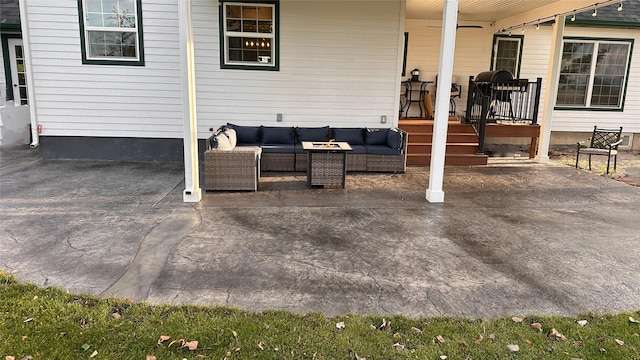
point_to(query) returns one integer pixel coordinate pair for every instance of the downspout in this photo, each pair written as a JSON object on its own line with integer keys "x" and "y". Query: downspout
{"x": 26, "y": 48}
{"x": 551, "y": 90}
{"x": 443, "y": 93}
{"x": 192, "y": 191}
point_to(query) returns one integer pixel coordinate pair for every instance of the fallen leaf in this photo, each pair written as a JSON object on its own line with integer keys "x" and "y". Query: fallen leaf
{"x": 440, "y": 339}
{"x": 513, "y": 347}
{"x": 620, "y": 342}
{"x": 555, "y": 335}
{"x": 340, "y": 325}
{"x": 601, "y": 339}
{"x": 633, "y": 320}
{"x": 517, "y": 319}
{"x": 35, "y": 297}
{"x": 116, "y": 315}
{"x": 385, "y": 324}
{"x": 151, "y": 357}
{"x": 527, "y": 341}
{"x": 235, "y": 334}
{"x": 261, "y": 345}
{"x": 85, "y": 347}
{"x": 480, "y": 338}
{"x": 28, "y": 320}
{"x": 603, "y": 350}
{"x": 200, "y": 356}
{"x": 28, "y": 357}
{"x": 373, "y": 327}
{"x": 181, "y": 341}
{"x": 397, "y": 336}
{"x": 94, "y": 354}
{"x": 582, "y": 322}
{"x": 24, "y": 337}
{"x": 492, "y": 336}
{"x": 127, "y": 300}
{"x": 191, "y": 345}
{"x": 536, "y": 326}
{"x": 163, "y": 338}
{"x": 9, "y": 358}
{"x": 443, "y": 357}
{"x": 398, "y": 346}
{"x": 415, "y": 330}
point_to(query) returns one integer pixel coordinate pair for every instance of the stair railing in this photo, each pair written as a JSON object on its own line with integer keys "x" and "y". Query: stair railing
{"x": 477, "y": 109}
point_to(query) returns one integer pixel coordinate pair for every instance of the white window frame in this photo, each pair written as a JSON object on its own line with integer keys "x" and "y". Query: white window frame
{"x": 516, "y": 39}
{"x": 136, "y": 30}
{"x": 273, "y": 37}
{"x": 590, "y": 85}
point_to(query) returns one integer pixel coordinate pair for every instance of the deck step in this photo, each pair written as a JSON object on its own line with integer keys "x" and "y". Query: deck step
{"x": 452, "y": 148}
{"x": 449, "y": 160}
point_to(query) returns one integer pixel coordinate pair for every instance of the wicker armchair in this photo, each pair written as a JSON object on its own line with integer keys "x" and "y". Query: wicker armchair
{"x": 237, "y": 169}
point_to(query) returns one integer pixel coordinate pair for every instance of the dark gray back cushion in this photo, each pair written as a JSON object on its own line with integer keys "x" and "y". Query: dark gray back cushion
{"x": 394, "y": 139}
{"x": 376, "y": 136}
{"x": 246, "y": 134}
{"x": 351, "y": 135}
{"x": 277, "y": 135}
{"x": 312, "y": 134}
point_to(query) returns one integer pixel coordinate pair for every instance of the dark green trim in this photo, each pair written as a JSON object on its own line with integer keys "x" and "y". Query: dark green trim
{"x": 604, "y": 23}
{"x": 4, "y": 38}
{"x": 493, "y": 50}
{"x": 567, "y": 108}
{"x": 276, "y": 50}
{"x": 140, "y": 31}
{"x": 10, "y": 27}
{"x": 626, "y": 84}
{"x": 404, "y": 58}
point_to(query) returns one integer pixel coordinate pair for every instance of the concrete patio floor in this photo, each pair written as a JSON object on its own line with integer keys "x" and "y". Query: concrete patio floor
{"x": 512, "y": 238}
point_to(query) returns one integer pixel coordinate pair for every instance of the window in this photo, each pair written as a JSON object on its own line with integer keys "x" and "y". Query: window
{"x": 506, "y": 54}
{"x": 111, "y": 32}
{"x": 249, "y": 35}
{"x": 593, "y": 74}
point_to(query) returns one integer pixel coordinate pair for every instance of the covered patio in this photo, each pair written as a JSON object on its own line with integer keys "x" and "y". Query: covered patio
{"x": 504, "y": 15}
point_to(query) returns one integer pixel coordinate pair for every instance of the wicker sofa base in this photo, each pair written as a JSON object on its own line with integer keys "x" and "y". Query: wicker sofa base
{"x": 386, "y": 163}
{"x": 238, "y": 169}
{"x": 278, "y": 162}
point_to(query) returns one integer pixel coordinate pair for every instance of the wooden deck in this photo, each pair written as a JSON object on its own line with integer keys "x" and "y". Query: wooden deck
{"x": 462, "y": 142}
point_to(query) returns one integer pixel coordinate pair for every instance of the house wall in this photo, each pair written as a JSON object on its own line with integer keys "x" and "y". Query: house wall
{"x": 339, "y": 66}
{"x": 112, "y": 101}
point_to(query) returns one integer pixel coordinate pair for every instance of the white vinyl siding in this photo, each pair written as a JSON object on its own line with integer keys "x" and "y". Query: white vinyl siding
{"x": 535, "y": 61}
{"x": 339, "y": 66}
{"x": 75, "y": 99}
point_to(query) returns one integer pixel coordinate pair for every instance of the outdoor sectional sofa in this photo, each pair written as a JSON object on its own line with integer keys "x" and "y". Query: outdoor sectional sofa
{"x": 280, "y": 149}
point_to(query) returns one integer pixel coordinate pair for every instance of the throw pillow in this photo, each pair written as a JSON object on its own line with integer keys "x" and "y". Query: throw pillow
{"x": 231, "y": 134}
{"x": 222, "y": 142}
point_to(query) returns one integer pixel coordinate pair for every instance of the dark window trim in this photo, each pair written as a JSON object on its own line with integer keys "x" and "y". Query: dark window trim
{"x": 83, "y": 48}
{"x": 4, "y": 38}
{"x": 626, "y": 84}
{"x": 276, "y": 50}
{"x": 493, "y": 50}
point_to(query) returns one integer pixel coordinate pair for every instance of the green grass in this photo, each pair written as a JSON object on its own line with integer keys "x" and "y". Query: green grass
{"x": 49, "y": 323}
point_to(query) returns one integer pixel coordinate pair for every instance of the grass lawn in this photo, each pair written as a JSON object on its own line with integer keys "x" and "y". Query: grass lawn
{"x": 49, "y": 323}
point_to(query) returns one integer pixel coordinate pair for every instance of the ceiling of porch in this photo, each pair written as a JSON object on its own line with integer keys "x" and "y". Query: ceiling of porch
{"x": 473, "y": 10}
{"x": 500, "y": 11}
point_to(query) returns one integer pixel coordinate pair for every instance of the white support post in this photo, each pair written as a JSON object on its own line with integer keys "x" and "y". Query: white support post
{"x": 192, "y": 191}
{"x": 443, "y": 93}
{"x": 551, "y": 90}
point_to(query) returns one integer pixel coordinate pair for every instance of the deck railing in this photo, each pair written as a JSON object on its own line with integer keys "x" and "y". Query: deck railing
{"x": 514, "y": 101}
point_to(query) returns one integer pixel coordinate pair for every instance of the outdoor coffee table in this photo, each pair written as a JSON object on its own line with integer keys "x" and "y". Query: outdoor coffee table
{"x": 327, "y": 163}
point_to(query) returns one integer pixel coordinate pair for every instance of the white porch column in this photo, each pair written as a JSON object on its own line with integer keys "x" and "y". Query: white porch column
{"x": 551, "y": 90}
{"x": 443, "y": 93}
{"x": 192, "y": 191}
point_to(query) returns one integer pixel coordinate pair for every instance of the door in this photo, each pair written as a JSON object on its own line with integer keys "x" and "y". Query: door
{"x": 18, "y": 72}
